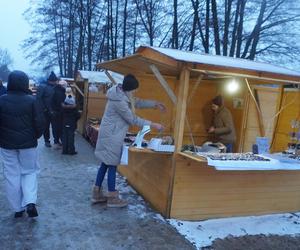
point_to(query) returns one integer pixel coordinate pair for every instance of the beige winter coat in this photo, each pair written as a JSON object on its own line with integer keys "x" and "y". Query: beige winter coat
{"x": 114, "y": 124}
{"x": 224, "y": 127}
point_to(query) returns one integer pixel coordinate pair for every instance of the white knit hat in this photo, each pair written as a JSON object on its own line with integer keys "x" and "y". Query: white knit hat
{"x": 70, "y": 100}
{"x": 63, "y": 83}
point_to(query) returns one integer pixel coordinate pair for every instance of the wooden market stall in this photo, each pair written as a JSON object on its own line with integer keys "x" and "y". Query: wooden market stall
{"x": 182, "y": 185}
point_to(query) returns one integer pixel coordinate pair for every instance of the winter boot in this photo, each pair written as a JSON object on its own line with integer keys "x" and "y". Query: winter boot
{"x": 113, "y": 200}
{"x": 97, "y": 195}
{"x": 31, "y": 210}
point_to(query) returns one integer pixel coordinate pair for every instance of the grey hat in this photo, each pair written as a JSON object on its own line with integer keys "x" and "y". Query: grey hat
{"x": 70, "y": 100}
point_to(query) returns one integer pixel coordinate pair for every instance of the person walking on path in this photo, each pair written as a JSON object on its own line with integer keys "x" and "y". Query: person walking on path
{"x": 44, "y": 97}
{"x": 118, "y": 116}
{"x": 58, "y": 99}
{"x": 222, "y": 125}
{"x": 21, "y": 124}
{"x": 70, "y": 117}
{"x": 2, "y": 88}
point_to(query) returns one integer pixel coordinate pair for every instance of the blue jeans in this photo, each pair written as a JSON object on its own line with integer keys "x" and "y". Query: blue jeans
{"x": 229, "y": 147}
{"x": 111, "y": 177}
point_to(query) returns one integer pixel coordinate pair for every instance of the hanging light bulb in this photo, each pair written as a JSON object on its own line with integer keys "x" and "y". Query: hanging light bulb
{"x": 232, "y": 86}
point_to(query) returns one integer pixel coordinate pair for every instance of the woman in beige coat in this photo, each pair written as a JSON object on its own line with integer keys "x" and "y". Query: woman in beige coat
{"x": 118, "y": 116}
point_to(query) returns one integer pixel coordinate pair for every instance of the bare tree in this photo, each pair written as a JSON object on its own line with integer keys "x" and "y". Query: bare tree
{"x": 5, "y": 62}
{"x": 76, "y": 34}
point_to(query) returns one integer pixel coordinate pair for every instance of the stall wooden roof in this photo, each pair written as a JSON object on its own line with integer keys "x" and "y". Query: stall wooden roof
{"x": 170, "y": 63}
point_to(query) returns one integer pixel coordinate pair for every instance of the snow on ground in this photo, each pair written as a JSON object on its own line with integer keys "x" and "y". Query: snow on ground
{"x": 203, "y": 233}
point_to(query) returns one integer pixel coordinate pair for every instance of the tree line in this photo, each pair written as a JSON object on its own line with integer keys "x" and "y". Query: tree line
{"x": 5, "y": 62}
{"x": 76, "y": 34}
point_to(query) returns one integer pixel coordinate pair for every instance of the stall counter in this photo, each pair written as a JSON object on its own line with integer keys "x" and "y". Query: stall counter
{"x": 183, "y": 186}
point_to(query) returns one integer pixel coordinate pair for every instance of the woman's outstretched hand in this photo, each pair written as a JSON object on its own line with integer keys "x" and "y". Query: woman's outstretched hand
{"x": 157, "y": 126}
{"x": 161, "y": 107}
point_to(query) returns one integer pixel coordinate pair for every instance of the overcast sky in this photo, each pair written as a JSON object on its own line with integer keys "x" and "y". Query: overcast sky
{"x": 14, "y": 29}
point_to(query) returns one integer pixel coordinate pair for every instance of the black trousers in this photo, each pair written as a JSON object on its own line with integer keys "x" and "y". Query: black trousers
{"x": 56, "y": 122}
{"x": 68, "y": 140}
{"x": 46, "y": 133}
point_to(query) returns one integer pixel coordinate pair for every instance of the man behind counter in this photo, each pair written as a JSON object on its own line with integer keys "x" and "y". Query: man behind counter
{"x": 222, "y": 124}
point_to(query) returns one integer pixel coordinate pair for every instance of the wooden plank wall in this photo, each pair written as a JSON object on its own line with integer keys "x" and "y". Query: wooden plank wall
{"x": 96, "y": 104}
{"x": 268, "y": 98}
{"x": 80, "y": 104}
{"x": 291, "y": 102}
{"x": 151, "y": 89}
{"x": 150, "y": 174}
{"x": 201, "y": 192}
{"x": 199, "y": 113}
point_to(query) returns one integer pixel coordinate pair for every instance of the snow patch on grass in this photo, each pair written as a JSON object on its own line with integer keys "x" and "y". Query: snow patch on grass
{"x": 203, "y": 233}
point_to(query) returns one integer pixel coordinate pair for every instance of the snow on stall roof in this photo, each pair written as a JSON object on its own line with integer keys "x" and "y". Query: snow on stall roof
{"x": 226, "y": 61}
{"x": 67, "y": 79}
{"x": 100, "y": 76}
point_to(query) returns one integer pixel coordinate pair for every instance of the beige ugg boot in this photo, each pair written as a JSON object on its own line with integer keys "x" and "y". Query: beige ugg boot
{"x": 97, "y": 195}
{"x": 113, "y": 200}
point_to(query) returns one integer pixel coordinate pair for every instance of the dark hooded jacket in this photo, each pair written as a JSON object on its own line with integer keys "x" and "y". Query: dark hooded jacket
{"x": 21, "y": 121}
{"x": 58, "y": 98}
{"x": 70, "y": 117}
{"x": 2, "y": 90}
{"x": 44, "y": 97}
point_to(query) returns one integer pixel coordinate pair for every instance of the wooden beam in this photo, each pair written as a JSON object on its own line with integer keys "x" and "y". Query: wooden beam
{"x": 228, "y": 72}
{"x": 181, "y": 108}
{"x": 258, "y": 110}
{"x": 85, "y": 103}
{"x": 78, "y": 89}
{"x": 244, "y": 123}
{"x": 164, "y": 83}
{"x": 193, "y": 157}
{"x": 278, "y": 109}
{"x": 110, "y": 77}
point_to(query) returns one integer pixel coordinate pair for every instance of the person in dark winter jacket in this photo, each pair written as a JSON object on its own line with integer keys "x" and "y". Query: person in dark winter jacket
{"x": 58, "y": 98}
{"x": 44, "y": 97}
{"x": 222, "y": 125}
{"x": 21, "y": 124}
{"x": 70, "y": 117}
{"x": 2, "y": 88}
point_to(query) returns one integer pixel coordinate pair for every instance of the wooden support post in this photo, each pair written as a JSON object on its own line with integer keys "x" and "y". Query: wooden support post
{"x": 278, "y": 109}
{"x": 181, "y": 108}
{"x": 180, "y": 120}
{"x": 110, "y": 77}
{"x": 244, "y": 123}
{"x": 164, "y": 83}
{"x": 85, "y": 105}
